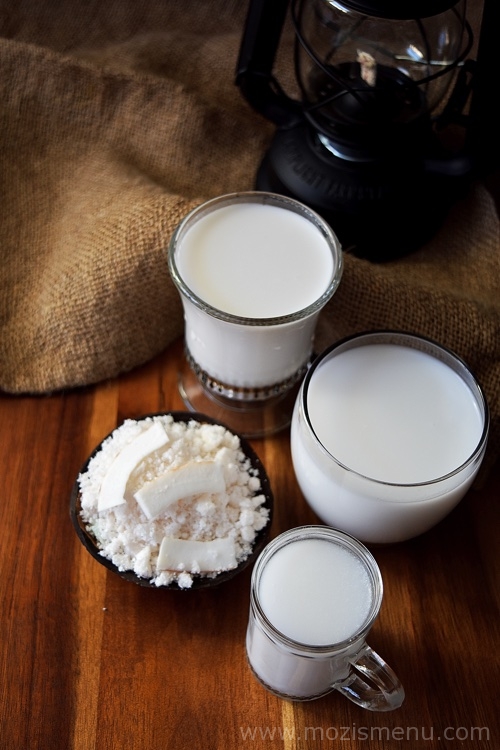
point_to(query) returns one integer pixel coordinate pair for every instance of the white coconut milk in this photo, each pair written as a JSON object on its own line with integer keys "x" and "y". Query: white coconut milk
{"x": 400, "y": 420}
{"x": 255, "y": 260}
{"x": 263, "y": 266}
{"x": 317, "y": 593}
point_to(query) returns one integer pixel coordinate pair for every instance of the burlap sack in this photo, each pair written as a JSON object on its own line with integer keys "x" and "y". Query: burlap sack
{"x": 119, "y": 117}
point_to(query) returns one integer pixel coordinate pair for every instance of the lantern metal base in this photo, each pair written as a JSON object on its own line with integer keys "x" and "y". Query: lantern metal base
{"x": 380, "y": 209}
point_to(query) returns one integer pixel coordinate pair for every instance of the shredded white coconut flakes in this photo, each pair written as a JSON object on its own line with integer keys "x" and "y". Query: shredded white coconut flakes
{"x": 125, "y": 535}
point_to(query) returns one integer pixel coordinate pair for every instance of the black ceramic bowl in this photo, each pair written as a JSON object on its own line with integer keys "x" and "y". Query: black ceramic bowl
{"x": 199, "y": 581}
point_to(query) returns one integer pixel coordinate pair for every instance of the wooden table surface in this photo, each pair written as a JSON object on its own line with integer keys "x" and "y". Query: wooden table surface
{"x": 91, "y": 661}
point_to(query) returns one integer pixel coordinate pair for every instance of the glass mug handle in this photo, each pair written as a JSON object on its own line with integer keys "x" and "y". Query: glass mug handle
{"x": 380, "y": 690}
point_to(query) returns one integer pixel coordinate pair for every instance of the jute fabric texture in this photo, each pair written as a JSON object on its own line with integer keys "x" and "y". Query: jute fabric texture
{"x": 117, "y": 118}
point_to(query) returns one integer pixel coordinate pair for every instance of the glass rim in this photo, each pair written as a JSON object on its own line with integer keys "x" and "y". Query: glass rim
{"x": 335, "y": 536}
{"x": 426, "y": 344}
{"x": 265, "y": 198}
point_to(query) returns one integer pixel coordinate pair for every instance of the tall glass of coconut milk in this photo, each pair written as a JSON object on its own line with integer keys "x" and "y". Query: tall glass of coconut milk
{"x": 315, "y": 594}
{"x": 253, "y": 270}
{"x": 388, "y": 433}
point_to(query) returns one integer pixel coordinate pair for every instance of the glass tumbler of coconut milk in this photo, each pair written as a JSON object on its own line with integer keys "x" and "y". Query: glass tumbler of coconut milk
{"x": 253, "y": 271}
{"x": 388, "y": 433}
{"x": 315, "y": 594}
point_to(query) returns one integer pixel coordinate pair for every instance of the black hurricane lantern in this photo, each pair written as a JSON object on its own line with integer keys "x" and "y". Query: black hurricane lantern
{"x": 380, "y": 81}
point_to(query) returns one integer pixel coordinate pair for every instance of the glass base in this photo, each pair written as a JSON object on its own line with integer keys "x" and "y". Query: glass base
{"x": 251, "y": 419}
{"x": 288, "y": 696}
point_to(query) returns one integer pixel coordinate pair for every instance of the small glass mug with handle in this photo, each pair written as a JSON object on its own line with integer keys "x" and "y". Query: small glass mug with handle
{"x": 315, "y": 594}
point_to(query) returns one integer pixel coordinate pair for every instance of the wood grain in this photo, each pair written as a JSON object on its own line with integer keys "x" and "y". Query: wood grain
{"x": 91, "y": 662}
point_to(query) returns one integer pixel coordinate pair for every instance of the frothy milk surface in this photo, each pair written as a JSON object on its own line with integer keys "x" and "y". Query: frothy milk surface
{"x": 393, "y": 413}
{"x": 315, "y": 592}
{"x": 255, "y": 260}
